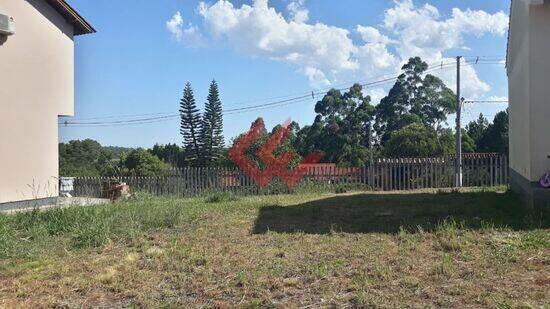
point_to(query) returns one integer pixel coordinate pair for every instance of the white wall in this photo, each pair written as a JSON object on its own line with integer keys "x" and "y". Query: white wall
{"x": 528, "y": 69}
{"x": 519, "y": 89}
{"x": 36, "y": 85}
{"x": 540, "y": 90}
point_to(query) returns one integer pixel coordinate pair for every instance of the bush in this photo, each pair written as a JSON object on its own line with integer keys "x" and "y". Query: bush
{"x": 140, "y": 162}
{"x": 417, "y": 141}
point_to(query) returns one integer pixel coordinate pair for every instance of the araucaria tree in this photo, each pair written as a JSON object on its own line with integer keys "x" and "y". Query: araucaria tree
{"x": 211, "y": 135}
{"x": 190, "y": 126}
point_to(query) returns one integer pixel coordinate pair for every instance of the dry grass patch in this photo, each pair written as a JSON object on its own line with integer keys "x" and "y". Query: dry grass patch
{"x": 472, "y": 249}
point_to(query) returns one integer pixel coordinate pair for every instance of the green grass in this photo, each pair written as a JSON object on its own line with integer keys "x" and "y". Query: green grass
{"x": 430, "y": 249}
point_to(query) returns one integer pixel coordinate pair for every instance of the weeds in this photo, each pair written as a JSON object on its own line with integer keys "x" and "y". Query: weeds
{"x": 362, "y": 250}
{"x": 446, "y": 266}
{"x": 340, "y": 189}
{"x": 86, "y": 226}
{"x": 221, "y": 197}
{"x": 448, "y": 237}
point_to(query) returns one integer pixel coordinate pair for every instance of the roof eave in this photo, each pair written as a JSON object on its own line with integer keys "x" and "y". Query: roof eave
{"x": 81, "y": 26}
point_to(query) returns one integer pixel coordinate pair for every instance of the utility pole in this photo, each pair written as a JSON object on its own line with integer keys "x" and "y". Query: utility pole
{"x": 458, "y": 159}
{"x": 370, "y": 154}
{"x": 370, "y": 144}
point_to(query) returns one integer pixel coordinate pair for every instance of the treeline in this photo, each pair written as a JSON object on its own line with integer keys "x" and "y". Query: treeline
{"x": 411, "y": 121}
{"x": 203, "y": 145}
{"x": 88, "y": 158}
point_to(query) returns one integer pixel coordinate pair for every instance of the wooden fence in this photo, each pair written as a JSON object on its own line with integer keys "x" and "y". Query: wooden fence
{"x": 385, "y": 175}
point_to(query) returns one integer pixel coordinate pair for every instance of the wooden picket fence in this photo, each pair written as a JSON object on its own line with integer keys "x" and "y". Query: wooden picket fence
{"x": 385, "y": 175}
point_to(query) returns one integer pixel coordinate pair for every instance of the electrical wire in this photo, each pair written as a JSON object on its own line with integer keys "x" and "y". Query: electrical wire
{"x": 487, "y": 102}
{"x": 254, "y": 108}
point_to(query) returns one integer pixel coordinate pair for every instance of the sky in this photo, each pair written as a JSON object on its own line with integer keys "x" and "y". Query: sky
{"x": 266, "y": 51}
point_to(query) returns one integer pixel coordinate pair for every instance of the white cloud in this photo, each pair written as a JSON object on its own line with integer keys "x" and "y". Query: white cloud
{"x": 190, "y": 35}
{"x": 297, "y": 11}
{"x": 316, "y": 77}
{"x": 376, "y": 94}
{"x": 372, "y": 35}
{"x": 261, "y": 31}
{"x": 421, "y": 32}
{"x": 325, "y": 53}
{"x": 373, "y": 56}
{"x": 472, "y": 86}
{"x": 175, "y": 24}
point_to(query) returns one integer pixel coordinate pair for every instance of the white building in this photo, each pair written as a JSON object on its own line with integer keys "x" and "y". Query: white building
{"x": 528, "y": 66}
{"x": 36, "y": 86}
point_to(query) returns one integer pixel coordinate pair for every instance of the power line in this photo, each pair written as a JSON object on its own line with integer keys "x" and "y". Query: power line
{"x": 123, "y": 116}
{"x": 487, "y": 102}
{"x": 434, "y": 67}
{"x": 253, "y": 108}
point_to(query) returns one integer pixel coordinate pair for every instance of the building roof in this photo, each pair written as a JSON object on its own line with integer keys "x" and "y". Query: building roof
{"x": 81, "y": 26}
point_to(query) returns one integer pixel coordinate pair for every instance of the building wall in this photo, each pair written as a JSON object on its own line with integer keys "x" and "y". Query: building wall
{"x": 519, "y": 89}
{"x": 36, "y": 85}
{"x": 539, "y": 89}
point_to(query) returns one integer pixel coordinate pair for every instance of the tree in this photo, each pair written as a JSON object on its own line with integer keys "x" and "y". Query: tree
{"x": 263, "y": 136}
{"x": 414, "y": 99}
{"x": 340, "y": 129}
{"x": 418, "y": 140}
{"x": 476, "y": 128}
{"x": 169, "y": 153}
{"x": 140, "y": 162}
{"x": 190, "y": 125}
{"x": 211, "y": 136}
{"x": 468, "y": 143}
{"x": 86, "y": 158}
{"x": 287, "y": 145}
{"x": 495, "y": 137}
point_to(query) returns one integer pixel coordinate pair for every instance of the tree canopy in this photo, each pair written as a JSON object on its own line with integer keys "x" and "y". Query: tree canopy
{"x": 415, "y": 97}
{"x": 495, "y": 137}
{"x": 417, "y": 140}
{"x": 170, "y": 153}
{"x": 340, "y": 128}
{"x": 140, "y": 162}
{"x": 86, "y": 158}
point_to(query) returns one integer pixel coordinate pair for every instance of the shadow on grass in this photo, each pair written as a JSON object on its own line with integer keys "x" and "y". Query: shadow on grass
{"x": 388, "y": 213}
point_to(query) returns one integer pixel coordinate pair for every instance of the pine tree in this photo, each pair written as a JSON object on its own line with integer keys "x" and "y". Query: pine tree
{"x": 190, "y": 125}
{"x": 211, "y": 140}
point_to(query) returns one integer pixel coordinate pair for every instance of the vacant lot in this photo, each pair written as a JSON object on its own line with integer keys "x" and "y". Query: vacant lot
{"x": 474, "y": 249}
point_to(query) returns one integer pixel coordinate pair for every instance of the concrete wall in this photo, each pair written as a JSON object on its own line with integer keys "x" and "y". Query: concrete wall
{"x": 540, "y": 89}
{"x": 36, "y": 85}
{"x": 529, "y": 86}
{"x": 518, "y": 73}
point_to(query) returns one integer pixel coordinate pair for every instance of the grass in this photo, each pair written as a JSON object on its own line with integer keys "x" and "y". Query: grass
{"x": 470, "y": 249}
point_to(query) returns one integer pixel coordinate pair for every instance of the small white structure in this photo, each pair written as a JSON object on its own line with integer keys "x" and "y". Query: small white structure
{"x": 528, "y": 65}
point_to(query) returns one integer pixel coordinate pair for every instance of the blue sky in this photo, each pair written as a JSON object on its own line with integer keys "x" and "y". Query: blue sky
{"x": 143, "y": 54}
